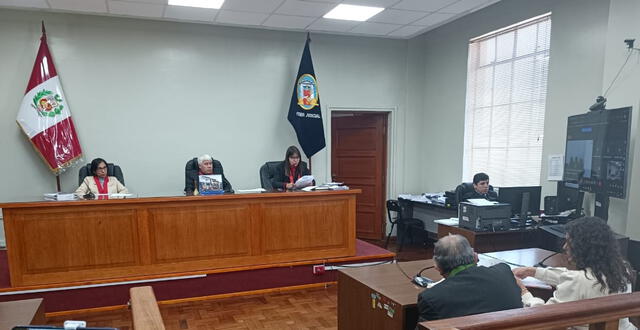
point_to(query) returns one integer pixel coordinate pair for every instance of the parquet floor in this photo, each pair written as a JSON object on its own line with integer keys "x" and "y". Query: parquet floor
{"x": 303, "y": 309}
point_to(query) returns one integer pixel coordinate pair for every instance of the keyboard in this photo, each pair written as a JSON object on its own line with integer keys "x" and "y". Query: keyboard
{"x": 557, "y": 230}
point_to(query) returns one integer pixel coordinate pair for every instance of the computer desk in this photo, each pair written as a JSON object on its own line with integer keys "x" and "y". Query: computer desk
{"x": 427, "y": 213}
{"x": 518, "y": 238}
{"x": 21, "y": 312}
{"x": 382, "y": 297}
{"x": 487, "y": 241}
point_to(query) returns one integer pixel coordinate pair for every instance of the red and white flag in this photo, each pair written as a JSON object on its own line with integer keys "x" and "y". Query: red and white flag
{"x": 44, "y": 114}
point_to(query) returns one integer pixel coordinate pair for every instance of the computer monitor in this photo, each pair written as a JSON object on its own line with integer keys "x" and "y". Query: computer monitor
{"x": 569, "y": 197}
{"x": 597, "y": 151}
{"x": 525, "y": 201}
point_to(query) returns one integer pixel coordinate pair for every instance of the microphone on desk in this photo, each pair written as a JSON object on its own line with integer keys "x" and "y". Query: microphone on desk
{"x": 420, "y": 280}
{"x": 541, "y": 263}
{"x": 88, "y": 195}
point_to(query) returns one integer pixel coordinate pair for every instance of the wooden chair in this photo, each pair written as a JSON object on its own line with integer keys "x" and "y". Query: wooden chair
{"x": 144, "y": 309}
{"x": 599, "y": 313}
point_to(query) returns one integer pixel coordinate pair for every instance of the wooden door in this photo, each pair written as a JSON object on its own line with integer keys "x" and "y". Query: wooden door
{"x": 359, "y": 159}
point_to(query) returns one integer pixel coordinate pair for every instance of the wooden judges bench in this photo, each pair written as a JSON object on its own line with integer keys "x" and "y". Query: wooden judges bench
{"x": 51, "y": 243}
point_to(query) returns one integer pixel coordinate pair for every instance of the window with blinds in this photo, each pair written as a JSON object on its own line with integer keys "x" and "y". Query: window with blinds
{"x": 505, "y": 103}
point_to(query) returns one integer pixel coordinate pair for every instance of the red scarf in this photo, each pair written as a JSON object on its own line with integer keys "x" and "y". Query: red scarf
{"x": 102, "y": 189}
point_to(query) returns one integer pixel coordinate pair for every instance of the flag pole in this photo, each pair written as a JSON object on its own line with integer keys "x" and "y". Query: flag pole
{"x": 58, "y": 182}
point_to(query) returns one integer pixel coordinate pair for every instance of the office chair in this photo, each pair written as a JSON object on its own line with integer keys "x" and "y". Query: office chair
{"x": 267, "y": 172}
{"x": 112, "y": 170}
{"x": 191, "y": 171}
{"x": 404, "y": 224}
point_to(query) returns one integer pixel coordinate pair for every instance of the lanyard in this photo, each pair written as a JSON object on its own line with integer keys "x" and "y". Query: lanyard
{"x": 459, "y": 269}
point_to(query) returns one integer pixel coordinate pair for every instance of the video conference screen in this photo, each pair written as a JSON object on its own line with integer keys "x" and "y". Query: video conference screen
{"x": 597, "y": 149}
{"x": 578, "y": 158}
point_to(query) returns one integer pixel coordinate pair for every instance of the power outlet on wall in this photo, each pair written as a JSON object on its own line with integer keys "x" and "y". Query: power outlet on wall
{"x": 318, "y": 269}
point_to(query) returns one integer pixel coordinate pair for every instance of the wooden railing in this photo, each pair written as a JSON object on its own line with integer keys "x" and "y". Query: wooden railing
{"x": 599, "y": 313}
{"x": 144, "y": 308}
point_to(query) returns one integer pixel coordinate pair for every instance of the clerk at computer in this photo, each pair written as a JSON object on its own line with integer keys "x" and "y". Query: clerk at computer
{"x": 480, "y": 189}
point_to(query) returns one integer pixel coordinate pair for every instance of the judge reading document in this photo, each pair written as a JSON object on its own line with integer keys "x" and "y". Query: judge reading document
{"x": 290, "y": 170}
{"x": 206, "y": 165}
{"x": 99, "y": 183}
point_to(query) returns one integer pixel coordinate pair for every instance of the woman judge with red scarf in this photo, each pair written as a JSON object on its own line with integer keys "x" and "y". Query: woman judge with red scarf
{"x": 100, "y": 184}
{"x": 290, "y": 170}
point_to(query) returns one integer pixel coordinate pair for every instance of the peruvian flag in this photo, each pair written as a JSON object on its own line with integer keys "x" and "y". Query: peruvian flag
{"x": 44, "y": 114}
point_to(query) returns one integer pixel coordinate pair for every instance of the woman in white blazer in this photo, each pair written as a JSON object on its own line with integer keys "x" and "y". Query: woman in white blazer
{"x": 600, "y": 268}
{"x": 99, "y": 184}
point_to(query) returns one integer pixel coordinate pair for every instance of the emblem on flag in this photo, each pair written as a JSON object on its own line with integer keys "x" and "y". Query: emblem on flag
{"x": 307, "y": 92}
{"x": 47, "y": 103}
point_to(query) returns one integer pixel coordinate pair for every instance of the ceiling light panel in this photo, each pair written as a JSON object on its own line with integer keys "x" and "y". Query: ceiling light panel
{"x": 353, "y": 12}
{"x": 211, "y": 4}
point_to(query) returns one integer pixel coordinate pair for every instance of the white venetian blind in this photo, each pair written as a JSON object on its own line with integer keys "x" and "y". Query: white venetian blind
{"x": 505, "y": 103}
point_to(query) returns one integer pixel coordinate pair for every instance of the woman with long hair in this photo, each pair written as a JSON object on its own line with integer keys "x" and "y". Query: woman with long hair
{"x": 100, "y": 183}
{"x": 290, "y": 170}
{"x": 600, "y": 269}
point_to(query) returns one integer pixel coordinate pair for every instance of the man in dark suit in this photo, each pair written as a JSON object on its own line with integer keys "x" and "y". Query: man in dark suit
{"x": 467, "y": 288}
{"x": 481, "y": 189}
{"x": 203, "y": 165}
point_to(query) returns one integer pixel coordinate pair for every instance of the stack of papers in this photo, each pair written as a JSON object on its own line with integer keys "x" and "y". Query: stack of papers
{"x": 60, "y": 197}
{"x": 481, "y": 202}
{"x": 304, "y": 181}
{"x": 120, "y": 195}
{"x": 250, "y": 191}
{"x": 448, "y": 222}
{"x": 327, "y": 186}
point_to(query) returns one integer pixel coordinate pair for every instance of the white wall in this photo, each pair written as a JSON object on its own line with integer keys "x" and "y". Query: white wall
{"x": 143, "y": 93}
{"x": 623, "y": 24}
{"x": 150, "y": 95}
{"x": 586, "y": 52}
{"x": 575, "y": 75}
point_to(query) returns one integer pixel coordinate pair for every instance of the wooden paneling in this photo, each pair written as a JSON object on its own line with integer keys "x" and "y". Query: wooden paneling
{"x": 359, "y": 158}
{"x": 68, "y": 241}
{"x": 317, "y": 225}
{"x": 362, "y": 167}
{"x": 358, "y": 138}
{"x": 212, "y": 231}
{"x": 89, "y": 241}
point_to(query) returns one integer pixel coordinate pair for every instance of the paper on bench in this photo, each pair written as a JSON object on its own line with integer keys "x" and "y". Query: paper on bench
{"x": 304, "y": 181}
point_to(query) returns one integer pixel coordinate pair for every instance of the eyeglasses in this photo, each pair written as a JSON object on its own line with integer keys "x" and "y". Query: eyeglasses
{"x": 102, "y": 168}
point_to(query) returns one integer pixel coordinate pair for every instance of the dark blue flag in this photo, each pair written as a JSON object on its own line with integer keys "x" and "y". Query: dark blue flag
{"x": 304, "y": 112}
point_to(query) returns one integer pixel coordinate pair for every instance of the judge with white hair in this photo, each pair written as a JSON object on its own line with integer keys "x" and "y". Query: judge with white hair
{"x": 203, "y": 165}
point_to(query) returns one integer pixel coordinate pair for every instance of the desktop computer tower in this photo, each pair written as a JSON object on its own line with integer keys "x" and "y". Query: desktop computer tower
{"x": 550, "y": 205}
{"x": 495, "y": 217}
